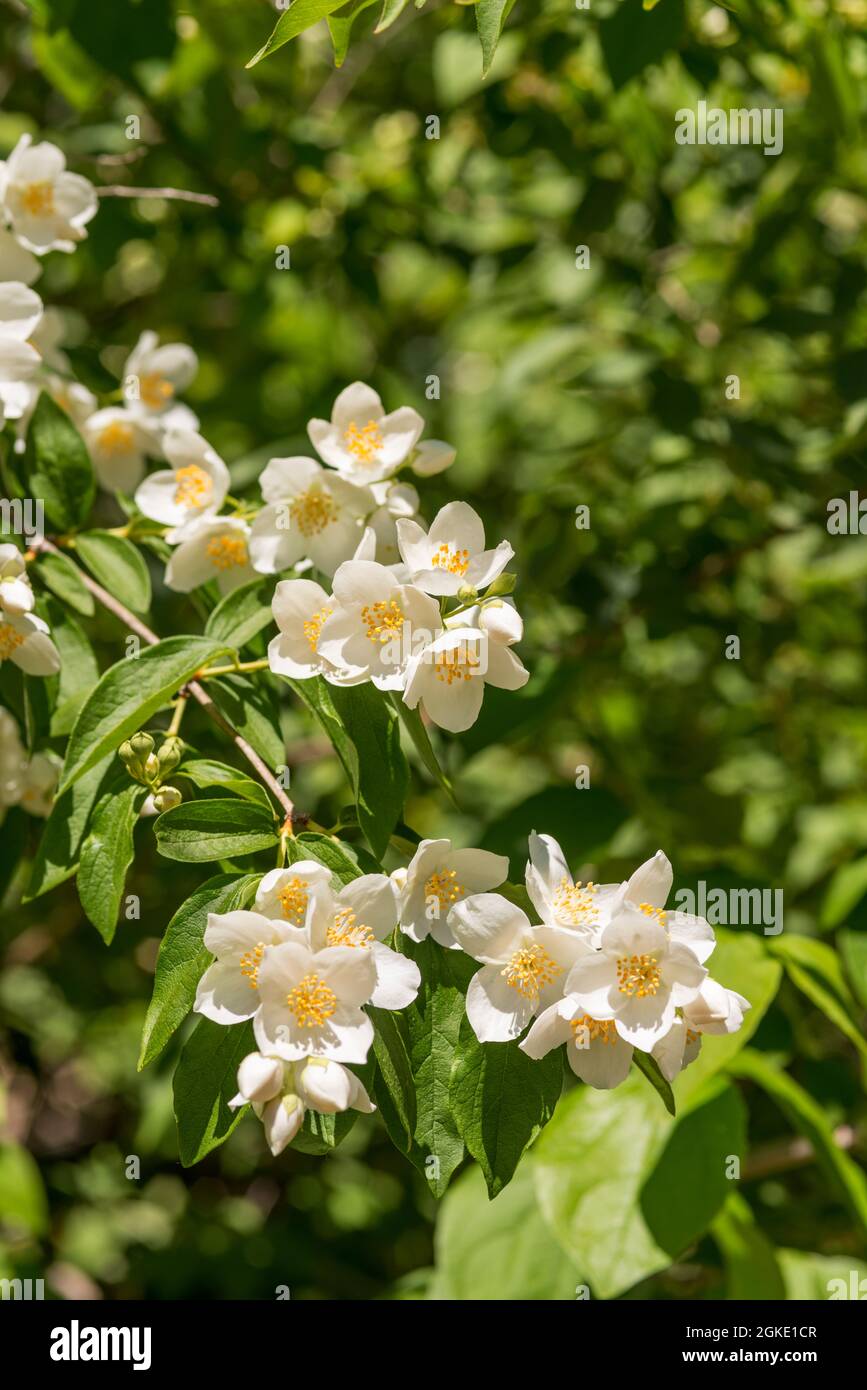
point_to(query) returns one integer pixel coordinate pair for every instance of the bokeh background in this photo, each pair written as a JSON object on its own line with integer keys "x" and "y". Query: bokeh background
{"x": 560, "y": 387}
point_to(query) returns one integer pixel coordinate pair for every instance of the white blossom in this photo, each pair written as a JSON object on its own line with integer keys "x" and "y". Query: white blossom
{"x": 310, "y": 513}
{"x": 436, "y": 879}
{"x": 452, "y": 555}
{"x": 47, "y": 207}
{"x": 360, "y": 440}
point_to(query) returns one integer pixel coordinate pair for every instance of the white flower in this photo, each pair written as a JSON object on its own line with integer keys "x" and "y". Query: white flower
{"x": 311, "y": 1002}
{"x": 16, "y": 595}
{"x": 311, "y": 514}
{"x": 71, "y": 396}
{"x": 280, "y": 1093}
{"x": 194, "y": 485}
{"x": 360, "y": 440}
{"x": 360, "y": 916}
{"x": 436, "y": 878}
{"x": 47, "y": 206}
{"x": 212, "y": 547}
{"x": 376, "y": 625}
{"x": 13, "y": 761}
{"x": 40, "y": 781}
{"x": 448, "y": 676}
{"x": 228, "y": 991}
{"x": 20, "y": 312}
{"x": 715, "y": 1010}
{"x": 638, "y": 977}
{"x": 523, "y": 966}
{"x": 154, "y": 374}
{"x": 394, "y": 501}
{"x": 594, "y": 1049}
{"x": 17, "y": 263}
{"x": 119, "y": 442}
{"x": 300, "y": 607}
{"x": 500, "y": 620}
{"x": 588, "y": 907}
{"x": 452, "y": 555}
{"x": 432, "y": 456}
{"x": 24, "y": 640}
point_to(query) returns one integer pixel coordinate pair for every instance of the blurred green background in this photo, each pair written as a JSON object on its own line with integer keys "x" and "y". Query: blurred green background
{"x": 560, "y": 387}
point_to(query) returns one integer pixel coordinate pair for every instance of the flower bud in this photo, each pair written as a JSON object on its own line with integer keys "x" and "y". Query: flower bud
{"x": 503, "y": 584}
{"x": 151, "y": 768}
{"x": 259, "y": 1078}
{"x": 466, "y": 593}
{"x": 170, "y": 754}
{"x": 167, "y": 798}
{"x": 282, "y": 1119}
{"x": 324, "y": 1086}
{"x": 142, "y": 745}
{"x": 432, "y": 456}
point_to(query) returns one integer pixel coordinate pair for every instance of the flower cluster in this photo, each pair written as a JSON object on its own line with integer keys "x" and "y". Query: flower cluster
{"x": 607, "y": 970}
{"x": 24, "y": 637}
{"x": 301, "y": 964}
{"x": 24, "y": 781}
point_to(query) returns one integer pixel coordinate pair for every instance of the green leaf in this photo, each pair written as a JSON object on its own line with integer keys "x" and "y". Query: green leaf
{"x": 809, "y": 1277}
{"x": 242, "y": 614}
{"x": 491, "y": 15}
{"x": 335, "y": 855}
{"x": 624, "y": 1187}
{"x": 501, "y": 1100}
{"x": 300, "y": 16}
{"x": 500, "y": 1250}
{"x": 205, "y": 1081}
{"x": 845, "y": 891}
{"x": 128, "y": 694}
{"x": 59, "y": 574}
{"x": 414, "y": 725}
{"x": 57, "y": 467}
{"x": 202, "y": 831}
{"x": 649, "y": 1067}
{"x": 106, "y": 855}
{"x": 23, "y": 1201}
{"x": 632, "y": 39}
{"x": 319, "y": 1134}
{"x": 394, "y": 1088}
{"x": 119, "y": 566}
{"x": 391, "y": 10}
{"x": 182, "y": 958}
{"x": 807, "y": 1115}
{"x": 363, "y": 729}
{"x": 79, "y": 672}
{"x": 752, "y": 1268}
{"x": 741, "y": 962}
{"x": 815, "y": 969}
{"x": 202, "y": 772}
{"x": 57, "y": 856}
{"x": 433, "y": 1024}
{"x": 340, "y": 24}
{"x": 250, "y": 708}
{"x": 853, "y": 947}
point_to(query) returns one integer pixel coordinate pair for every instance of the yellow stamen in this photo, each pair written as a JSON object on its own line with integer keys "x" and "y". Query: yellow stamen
{"x": 10, "y": 640}
{"x": 574, "y": 902}
{"x": 455, "y": 665}
{"x": 530, "y": 969}
{"x": 312, "y": 511}
{"x": 638, "y": 976}
{"x": 313, "y": 627}
{"x": 364, "y": 442}
{"x": 293, "y": 900}
{"x": 227, "y": 551}
{"x": 444, "y": 887}
{"x": 194, "y": 486}
{"x": 155, "y": 391}
{"x": 250, "y": 962}
{"x": 448, "y": 558}
{"x": 592, "y": 1030}
{"x": 116, "y": 439}
{"x": 38, "y": 199}
{"x": 656, "y": 913}
{"x": 692, "y": 1036}
{"x": 346, "y": 930}
{"x": 383, "y": 619}
{"x": 312, "y": 1002}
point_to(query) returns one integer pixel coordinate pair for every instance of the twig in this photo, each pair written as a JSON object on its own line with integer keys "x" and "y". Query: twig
{"x": 782, "y": 1157}
{"x": 193, "y": 688}
{"x": 181, "y": 195}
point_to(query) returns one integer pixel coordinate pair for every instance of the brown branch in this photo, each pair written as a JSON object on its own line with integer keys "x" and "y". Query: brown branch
{"x": 182, "y": 195}
{"x": 787, "y": 1154}
{"x": 193, "y": 688}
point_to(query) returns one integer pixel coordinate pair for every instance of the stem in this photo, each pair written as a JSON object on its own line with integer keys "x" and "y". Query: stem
{"x": 260, "y": 665}
{"x": 177, "y": 716}
{"x": 182, "y": 195}
{"x": 198, "y": 692}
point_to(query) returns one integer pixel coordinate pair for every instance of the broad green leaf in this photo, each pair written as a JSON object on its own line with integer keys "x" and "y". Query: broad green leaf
{"x": 393, "y": 1085}
{"x": 433, "y": 1024}
{"x": 319, "y": 1134}
{"x": 853, "y": 947}
{"x": 752, "y": 1267}
{"x": 491, "y": 15}
{"x": 202, "y": 772}
{"x": 340, "y": 24}
{"x": 106, "y": 855}
{"x": 128, "y": 694}
{"x": 815, "y": 969}
{"x": 119, "y": 567}
{"x": 845, "y": 891}
{"x": 300, "y": 16}
{"x": 649, "y": 1067}
{"x": 501, "y": 1099}
{"x": 205, "y": 1081}
{"x": 204, "y": 831}
{"x": 57, "y": 856}
{"x": 363, "y": 729}
{"x": 499, "y": 1250}
{"x": 625, "y": 1188}
{"x": 335, "y": 855}
{"x": 57, "y": 467}
{"x": 819, "y": 1278}
{"x": 23, "y": 1201}
{"x": 59, "y": 574}
{"x": 807, "y": 1115}
{"x": 251, "y": 709}
{"x": 79, "y": 672}
{"x": 633, "y": 38}
{"x": 183, "y": 959}
{"x": 742, "y": 962}
{"x": 242, "y": 614}
{"x": 414, "y": 725}
{"x": 391, "y": 10}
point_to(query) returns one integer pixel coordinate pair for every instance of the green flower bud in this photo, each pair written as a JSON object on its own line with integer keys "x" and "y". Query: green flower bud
{"x": 141, "y": 745}
{"x": 170, "y": 754}
{"x": 126, "y": 753}
{"x": 151, "y": 768}
{"x": 466, "y": 593}
{"x": 503, "y": 584}
{"x": 166, "y": 798}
